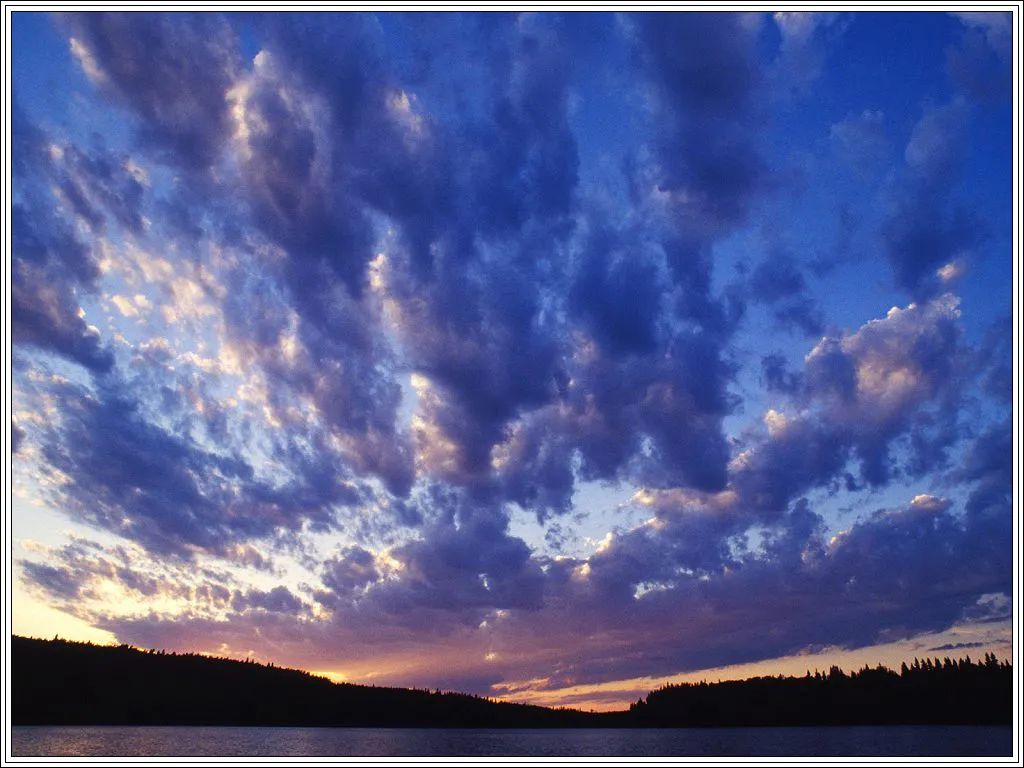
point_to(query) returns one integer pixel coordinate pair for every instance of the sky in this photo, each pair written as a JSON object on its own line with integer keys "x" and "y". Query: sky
{"x": 548, "y": 357}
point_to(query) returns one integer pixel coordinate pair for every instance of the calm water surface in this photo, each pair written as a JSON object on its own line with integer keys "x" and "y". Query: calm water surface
{"x": 958, "y": 741}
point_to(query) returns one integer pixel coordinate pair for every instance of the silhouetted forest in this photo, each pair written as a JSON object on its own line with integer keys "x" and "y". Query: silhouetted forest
{"x": 931, "y": 692}
{"x": 58, "y": 682}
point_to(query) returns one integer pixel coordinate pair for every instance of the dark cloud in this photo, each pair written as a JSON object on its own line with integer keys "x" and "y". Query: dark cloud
{"x": 989, "y": 466}
{"x": 478, "y": 326}
{"x": 483, "y": 201}
{"x": 277, "y": 600}
{"x": 955, "y": 646}
{"x": 995, "y": 359}
{"x": 55, "y": 580}
{"x": 776, "y": 376}
{"x": 644, "y": 320}
{"x": 861, "y": 141}
{"x": 613, "y": 268}
{"x": 778, "y": 282}
{"x": 466, "y": 561}
{"x": 173, "y": 70}
{"x": 980, "y": 63}
{"x": 706, "y": 85}
{"x": 926, "y": 228}
{"x": 44, "y": 314}
{"x": 799, "y": 590}
{"x": 17, "y": 436}
{"x": 99, "y": 186}
{"x": 775, "y": 278}
{"x": 892, "y": 574}
{"x": 806, "y": 38}
{"x": 49, "y": 263}
{"x": 130, "y": 475}
{"x": 297, "y": 169}
{"x": 351, "y": 569}
{"x": 802, "y": 314}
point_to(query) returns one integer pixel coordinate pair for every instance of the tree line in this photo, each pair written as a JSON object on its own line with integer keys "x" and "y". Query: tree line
{"x": 926, "y": 691}
{"x": 60, "y": 682}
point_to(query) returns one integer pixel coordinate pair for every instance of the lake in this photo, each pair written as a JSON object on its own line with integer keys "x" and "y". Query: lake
{"x": 951, "y": 741}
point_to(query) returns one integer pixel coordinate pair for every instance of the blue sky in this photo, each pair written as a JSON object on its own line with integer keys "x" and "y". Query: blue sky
{"x": 546, "y": 356}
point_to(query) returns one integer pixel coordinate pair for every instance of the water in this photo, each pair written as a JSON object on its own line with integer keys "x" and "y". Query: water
{"x": 946, "y": 741}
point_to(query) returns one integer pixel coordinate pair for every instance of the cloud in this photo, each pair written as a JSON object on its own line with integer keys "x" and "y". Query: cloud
{"x": 299, "y": 194}
{"x": 323, "y": 137}
{"x": 280, "y": 160}
{"x": 861, "y": 141}
{"x": 988, "y": 465}
{"x": 139, "y": 59}
{"x": 277, "y": 600}
{"x": 878, "y": 382}
{"x": 776, "y": 377}
{"x": 50, "y": 265}
{"x": 705, "y": 86}
{"x": 17, "y": 437}
{"x": 995, "y": 359}
{"x": 997, "y": 26}
{"x": 925, "y": 227}
{"x": 87, "y": 577}
{"x": 351, "y": 569}
{"x": 465, "y": 565}
{"x": 129, "y": 474}
{"x": 893, "y": 381}
{"x": 956, "y": 646}
{"x": 979, "y": 65}
{"x": 778, "y": 282}
{"x": 802, "y": 52}
{"x": 98, "y": 187}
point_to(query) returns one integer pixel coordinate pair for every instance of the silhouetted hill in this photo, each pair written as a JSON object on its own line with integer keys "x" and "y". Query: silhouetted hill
{"x": 61, "y": 683}
{"x": 933, "y": 692}
{"x": 58, "y": 682}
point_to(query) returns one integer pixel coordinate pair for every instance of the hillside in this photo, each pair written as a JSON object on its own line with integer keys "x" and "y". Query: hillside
{"x": 59, "y": 682}
{"x": 932, "y": 692}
